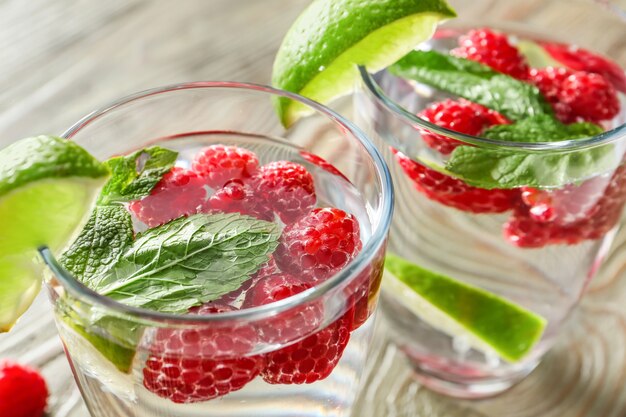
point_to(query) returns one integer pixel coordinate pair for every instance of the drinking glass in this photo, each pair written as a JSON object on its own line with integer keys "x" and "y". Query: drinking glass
{"x": 110, "y": 345}
{"x": 506, "y": 252}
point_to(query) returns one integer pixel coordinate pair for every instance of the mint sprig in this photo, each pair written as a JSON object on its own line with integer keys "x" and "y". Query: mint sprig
{"x": 497, "y": 168}
{"x": 188, "y": 261}
{"x": 473, "y": 81}
{"x": 109, "y": 230}
{"x": 135, "y": 175}
{"x": 104, "y": 239}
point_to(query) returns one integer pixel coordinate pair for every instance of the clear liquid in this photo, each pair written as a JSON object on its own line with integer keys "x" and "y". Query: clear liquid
{"x": 112, "y": 393}
{"x": 470, "y": 248}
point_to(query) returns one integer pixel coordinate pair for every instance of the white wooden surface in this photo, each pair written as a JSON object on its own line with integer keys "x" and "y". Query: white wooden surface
{"x": 62, "y": 58}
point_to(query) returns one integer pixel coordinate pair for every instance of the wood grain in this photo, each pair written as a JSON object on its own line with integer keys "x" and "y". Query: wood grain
{"x": 59, "y": 59}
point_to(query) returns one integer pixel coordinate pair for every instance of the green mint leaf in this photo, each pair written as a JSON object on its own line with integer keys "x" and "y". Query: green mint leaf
{"x": 109, "y": 229}
{"x": 134, "y": 175}
{"x": 471, "y": 80}
{"x": 188, "y": 261}
{"x": 541, "y": 128}
{"x": 496, "y": 168}
{"x": 105, "y": 237}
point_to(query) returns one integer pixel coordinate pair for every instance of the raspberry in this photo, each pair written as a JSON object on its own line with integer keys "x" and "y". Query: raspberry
{"x": 322, "y": 163}
{"x": 179, "y": 193}
{"x": 494, "y": 50}
{"x": 319, "y": 244}
{"x": 461, "y": 116}
{"x": 219, "y": 164}
{"x": 590, "y": 97}
{"x": 579, "y": 59}
{"x": 272, "y": 288}
{"x": 239, "y": 197}
{"x": 524, "y": 231}
{"x": 291, "y": 324}
{"x": 311, "y": 359}
{"x": 453, "y": 192}
{"x": 23, "y": 391}
{"x": 287, "y": 187}
{"x": 549, "y": 81}
{"x": 567, "y": 204}
{"x": 192, "y": 365}
{"x": 364, "y": 289}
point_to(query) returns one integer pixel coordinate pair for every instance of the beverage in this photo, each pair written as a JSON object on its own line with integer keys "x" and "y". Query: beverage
{"x": 226, "y": 268}
{"x": 502, "y": 226}
{"x": 128, "y": 392}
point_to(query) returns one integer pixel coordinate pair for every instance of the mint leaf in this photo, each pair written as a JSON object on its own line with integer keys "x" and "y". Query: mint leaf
{"x": 496, "y": 168}
{"x": 188, "y": 261}
{"x": 471, "y": 80}
{"x": 134, "y": 176}
{"x": 109, "y": 230}
{"x": 107, "y": 234}
{"x": 541, "y": 128}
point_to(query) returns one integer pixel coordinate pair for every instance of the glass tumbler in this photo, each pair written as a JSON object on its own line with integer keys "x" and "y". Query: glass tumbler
{"x": 537, "y": 244}
{"x": 115, "y": 350}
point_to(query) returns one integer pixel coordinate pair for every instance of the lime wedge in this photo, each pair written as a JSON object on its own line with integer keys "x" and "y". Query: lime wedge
{"x": 47, "y": 187}
{"x": 536, "y": 55}
{"x": 320, "y": 52}
{"x": 490, "y": 323}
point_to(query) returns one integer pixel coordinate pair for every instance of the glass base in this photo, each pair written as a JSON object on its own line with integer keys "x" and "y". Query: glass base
{"x": 466, "y": 387}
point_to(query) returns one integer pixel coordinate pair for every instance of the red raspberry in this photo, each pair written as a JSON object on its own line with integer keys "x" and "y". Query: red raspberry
{"x": 521, "y": 230}
{"x": 524, "y": 231}
{"x": 590, "y": 97}
{"x": 364, "y": 290}
{"x": 461, "y": 116}
{"x": 219, "y": 164}
{"x": 311, "y": 359}
{"x": 239, "y": 197}
{"x": 23, "y": 391}
{"x": 322, "y": 163}
{"x": 453, "y": 192}
{"x": 549, "y": 81}
{"x": 273, "y": 288}
{"x": 580, "y": 59}
{"x": 179, "y": 193}
{"x": 193, "y": 365}
{"x": 319, "y": 244}
{"x": 567, "y": 204}
{"x": 494, "y": 50}
{"x": 289, "y": 325}
{"x": 287, "y": 187}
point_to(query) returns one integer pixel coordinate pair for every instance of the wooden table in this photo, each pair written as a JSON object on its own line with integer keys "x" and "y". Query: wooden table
{"x": 62, "y": 58}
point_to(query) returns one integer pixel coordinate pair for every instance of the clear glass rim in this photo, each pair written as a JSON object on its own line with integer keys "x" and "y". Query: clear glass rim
{"x": 614, "y": 135}
{"x": 370, "y": 249}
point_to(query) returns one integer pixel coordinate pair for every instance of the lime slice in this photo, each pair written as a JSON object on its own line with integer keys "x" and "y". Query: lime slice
{"x": 490, "y": 323}
{"x": 119, "y": 355}
{"x": 320, "y": 52}
{"x": 536, "y": 55}
{"x": 47, "y": 187}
